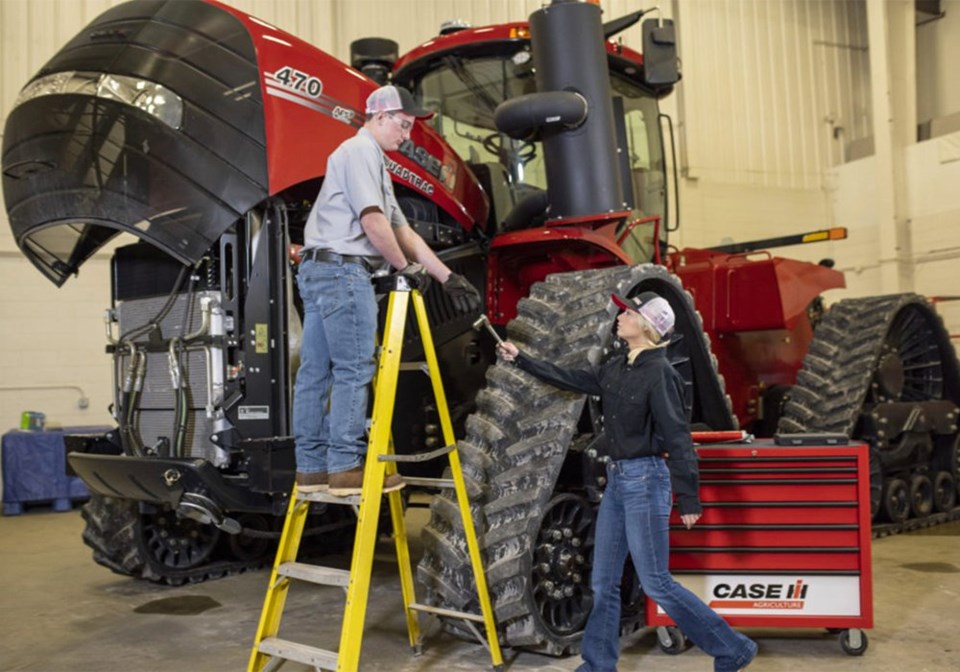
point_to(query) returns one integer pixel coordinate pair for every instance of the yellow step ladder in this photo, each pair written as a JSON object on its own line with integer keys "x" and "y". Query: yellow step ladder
{"x": 269, "y": 651}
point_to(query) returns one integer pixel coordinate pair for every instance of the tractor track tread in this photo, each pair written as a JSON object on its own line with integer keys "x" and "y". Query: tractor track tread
{"x": 111, "y": 531}
{"x": 834, "y": 382}
{"x": 518, "y": 440}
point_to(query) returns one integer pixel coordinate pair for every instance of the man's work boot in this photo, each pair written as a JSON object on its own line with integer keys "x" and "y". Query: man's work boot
{"x": 350, "y": 482}
{"x": 317, "y": 481}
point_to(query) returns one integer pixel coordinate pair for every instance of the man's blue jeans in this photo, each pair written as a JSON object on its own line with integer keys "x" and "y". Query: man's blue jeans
{"x": 336, "y": 366}
{"x": 634, "y": 516}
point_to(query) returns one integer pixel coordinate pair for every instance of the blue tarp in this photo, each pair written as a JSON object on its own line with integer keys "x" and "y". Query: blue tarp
{"x": 34, "y": 469}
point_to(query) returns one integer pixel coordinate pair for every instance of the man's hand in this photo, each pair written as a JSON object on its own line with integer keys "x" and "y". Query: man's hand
{"x": 466, "y": 298}
{"x": 689, "y": 519}
{"x": 416, "y": 275}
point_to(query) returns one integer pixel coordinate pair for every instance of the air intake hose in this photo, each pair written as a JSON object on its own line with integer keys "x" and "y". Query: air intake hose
{"x": 523, "y": 118}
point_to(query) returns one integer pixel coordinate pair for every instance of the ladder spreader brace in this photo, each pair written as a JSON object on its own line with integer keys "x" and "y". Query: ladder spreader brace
{"x": 269, "y": 651}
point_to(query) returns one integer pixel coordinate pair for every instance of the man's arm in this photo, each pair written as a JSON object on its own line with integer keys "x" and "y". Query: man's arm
{"x": 416, "y": 248}
{"x": 377, "y": 227}
{"x": 399, "y": 245}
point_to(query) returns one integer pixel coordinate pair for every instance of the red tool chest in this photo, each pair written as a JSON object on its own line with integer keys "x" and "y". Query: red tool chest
{"x": 784, "y": 541}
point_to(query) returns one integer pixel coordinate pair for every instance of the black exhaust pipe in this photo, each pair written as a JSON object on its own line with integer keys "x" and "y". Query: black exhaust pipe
{"x": 583, "y": 176}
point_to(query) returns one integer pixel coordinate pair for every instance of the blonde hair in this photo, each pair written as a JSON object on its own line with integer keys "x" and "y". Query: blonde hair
{"x": 652, "y": 334}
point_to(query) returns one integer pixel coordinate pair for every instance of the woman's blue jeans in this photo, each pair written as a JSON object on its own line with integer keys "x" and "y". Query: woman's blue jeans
{"x": 336, "y": 366}
{"x": 634, "y": 517}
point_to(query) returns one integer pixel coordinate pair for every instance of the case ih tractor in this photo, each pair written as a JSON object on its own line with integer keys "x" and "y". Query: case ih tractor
{"x": 203, "y": 133}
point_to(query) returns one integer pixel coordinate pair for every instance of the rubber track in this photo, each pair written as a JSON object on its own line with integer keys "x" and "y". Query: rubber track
{"x": 515, "y": 445}
{"x": 833, "y": 383}
{"x": 111, "y": 529}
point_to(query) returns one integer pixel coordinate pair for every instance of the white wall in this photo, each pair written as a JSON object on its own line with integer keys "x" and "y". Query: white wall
{"x": 53, "y": 337}
{"x": 933, "y": 168}
{"x": 767, "y": 83}
{"x": 938, "y": 52}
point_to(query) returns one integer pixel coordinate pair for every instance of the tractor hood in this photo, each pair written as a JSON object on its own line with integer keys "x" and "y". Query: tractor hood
{"x": 149, "y": 122}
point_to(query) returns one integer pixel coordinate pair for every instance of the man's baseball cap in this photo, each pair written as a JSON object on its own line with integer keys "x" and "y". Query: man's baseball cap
{"x": 652, "y": 306}
{"x": 395, "y": 99}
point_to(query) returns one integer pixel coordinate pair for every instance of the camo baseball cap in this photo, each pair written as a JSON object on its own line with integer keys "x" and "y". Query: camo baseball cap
{"x": 392, "y": 98}
{"x": 653, "y": 307}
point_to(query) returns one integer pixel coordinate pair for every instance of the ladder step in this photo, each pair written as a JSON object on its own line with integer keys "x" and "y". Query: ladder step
{"x": 301, "y": 653}
{"x": 415, "y": 366}
{"x": 353, "y": 500}
{"x": 324, "y": 576}
{"x": 418, "y": 457}
{"x": 449, "y": 613}
{"x": 429, "y": 482}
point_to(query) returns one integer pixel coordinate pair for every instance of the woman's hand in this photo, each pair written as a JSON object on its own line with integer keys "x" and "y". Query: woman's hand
{"x": 507, "y": 351}
{"x": 689, "y": 519}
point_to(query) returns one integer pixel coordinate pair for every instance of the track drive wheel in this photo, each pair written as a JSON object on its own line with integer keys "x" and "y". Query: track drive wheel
{"x": 564, "y": 547}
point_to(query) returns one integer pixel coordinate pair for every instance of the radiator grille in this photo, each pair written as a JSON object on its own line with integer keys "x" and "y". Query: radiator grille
{"x": 158, "y": 401}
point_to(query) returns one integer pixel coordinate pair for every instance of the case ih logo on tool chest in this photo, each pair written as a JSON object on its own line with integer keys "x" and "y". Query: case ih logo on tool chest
{"x": 759, "y": 595}
{"x": 776, "y": 595}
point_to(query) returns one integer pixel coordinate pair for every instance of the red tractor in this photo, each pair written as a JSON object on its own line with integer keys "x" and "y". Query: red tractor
{"x": 203, "y": 133}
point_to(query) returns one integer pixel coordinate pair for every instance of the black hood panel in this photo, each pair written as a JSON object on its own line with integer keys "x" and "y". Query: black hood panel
{"x": 80, "y": 168}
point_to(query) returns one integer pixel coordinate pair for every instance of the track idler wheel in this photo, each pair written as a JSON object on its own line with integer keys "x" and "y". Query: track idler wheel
{"x": 896, "y": 500}
{"x": 944, "y": 492}
{"x": 921, "y": 496}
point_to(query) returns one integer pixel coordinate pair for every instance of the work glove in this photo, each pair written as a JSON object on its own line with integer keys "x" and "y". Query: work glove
{"x": 416, "y": 276}
{"x": 465, "y": 297}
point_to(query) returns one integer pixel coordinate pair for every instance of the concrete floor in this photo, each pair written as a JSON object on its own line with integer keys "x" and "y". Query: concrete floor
{"x": 60, "y": 611}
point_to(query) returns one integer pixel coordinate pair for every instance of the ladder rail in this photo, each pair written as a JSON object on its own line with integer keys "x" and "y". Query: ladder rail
{"x": 463, "y": 499}
{"x": 269, "y": 623}
{"x": 361, "y": 565}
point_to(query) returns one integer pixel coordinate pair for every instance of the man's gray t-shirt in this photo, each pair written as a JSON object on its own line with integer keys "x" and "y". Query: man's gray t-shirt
{"x": 357, "y": 179}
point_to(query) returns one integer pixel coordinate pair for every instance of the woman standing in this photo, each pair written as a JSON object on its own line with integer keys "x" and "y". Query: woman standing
{"x": 649, "y": 448}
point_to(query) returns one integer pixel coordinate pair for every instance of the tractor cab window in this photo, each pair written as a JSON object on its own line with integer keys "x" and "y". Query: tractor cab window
{"x": 465, "y": 93}
{"x": 647, "y": 170}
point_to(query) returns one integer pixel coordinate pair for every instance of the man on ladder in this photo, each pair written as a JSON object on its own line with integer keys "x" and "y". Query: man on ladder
{"x": 270, "y": 651}
{"x": 354, "y": 227}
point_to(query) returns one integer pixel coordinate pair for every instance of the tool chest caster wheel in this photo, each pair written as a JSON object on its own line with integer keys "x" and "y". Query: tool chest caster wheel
{"x": 853, "y": 642}
{"x": 671, "y": 640}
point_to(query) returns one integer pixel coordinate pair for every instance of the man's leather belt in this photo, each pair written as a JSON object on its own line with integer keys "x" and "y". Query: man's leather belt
{"x": 317, "y": 254}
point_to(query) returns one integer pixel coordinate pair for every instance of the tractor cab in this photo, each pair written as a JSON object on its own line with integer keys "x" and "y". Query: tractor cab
{"x": 466, "y": 73}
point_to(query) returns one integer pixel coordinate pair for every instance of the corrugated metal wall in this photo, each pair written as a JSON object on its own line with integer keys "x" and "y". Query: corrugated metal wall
{"x": 773, "y": 90}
